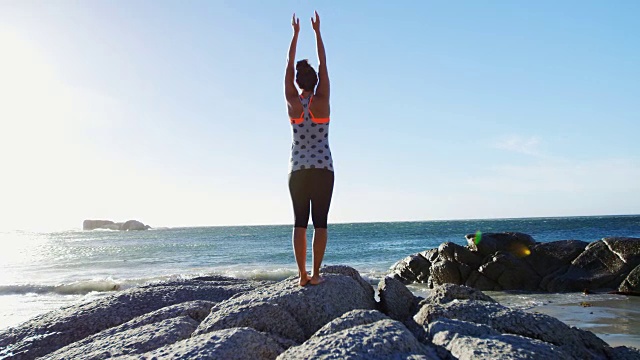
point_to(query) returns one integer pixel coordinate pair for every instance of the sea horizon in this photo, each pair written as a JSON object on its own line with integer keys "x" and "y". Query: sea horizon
{"x": 79, "y": 227}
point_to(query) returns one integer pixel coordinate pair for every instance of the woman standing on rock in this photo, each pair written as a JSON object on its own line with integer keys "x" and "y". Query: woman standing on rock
{"x": 310, "y": 166}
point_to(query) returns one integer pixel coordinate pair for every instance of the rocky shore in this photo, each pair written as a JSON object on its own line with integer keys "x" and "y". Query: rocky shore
{"x": 515, "y": 261}
{"x": 226, "y": 318}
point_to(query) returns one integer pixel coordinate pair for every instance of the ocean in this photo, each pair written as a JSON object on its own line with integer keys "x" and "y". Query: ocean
{"x": 40, "y": 272}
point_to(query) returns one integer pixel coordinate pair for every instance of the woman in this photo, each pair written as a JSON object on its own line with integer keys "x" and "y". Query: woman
{"x": 310, "y": 165}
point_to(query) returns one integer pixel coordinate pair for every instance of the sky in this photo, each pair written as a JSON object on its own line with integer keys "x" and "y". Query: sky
{"x": 173, "y": 113}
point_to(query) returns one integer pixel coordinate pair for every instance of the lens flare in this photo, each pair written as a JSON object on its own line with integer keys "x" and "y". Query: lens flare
{"x": 520, "y": 250}
{"x": 478, "y": 237}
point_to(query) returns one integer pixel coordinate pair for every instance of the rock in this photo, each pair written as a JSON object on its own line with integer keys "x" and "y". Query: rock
{"x": 514, "y": 261}
{"x": 399, "y": 303}
{"x": 448, "y": 292}
{"x": 126, "y": 340}
{"x": 51, "y": 331}
{"x": 413, "y": 268}
{"x": 261, "y": 316}
{"x": 458, "y": 254}
{"x": 311, "y": 307}
{"x": 579, "y": 343}
{"x": 518, "y": 244}
{"x": 631, "y": 283}
{"x": 479, "y": 281}
{"x": 452, "y": 264}
{"x": 547, "y": 258}
{"x": 467, "y": 341}
{"x": 134, "y": 225}
{"x": 134, "y": 341}
{"x": 351, "y": 272}
{"x": 396, "y": 301}
{"x": 229, "y": 344}
{"x": 366, "y": 339}
{"x": 604, "y": 264}
{"x": 223, "y": 318}
{"x": 623, "y": 353}
{"x": 110, "y": 225}
{"x": 95, "y": 224}
{"x": 351, "y": 319}
{"x": 445, "y": 271}
{"x": 509, "y": 273}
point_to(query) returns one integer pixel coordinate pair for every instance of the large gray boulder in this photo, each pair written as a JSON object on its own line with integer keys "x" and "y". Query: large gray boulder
{"x": 51, "y": 331}
{"x": 396, "y": 300}
{"x": 504, "y": 271}
{"x": 399, "y": 303}
{"x": 144, "y": 333}
{"x": 260, "y": 315}
{"x": 285, "y": 309}
{"x": 361, "y": 335}
{"x": 416, "y": 267}
{"x": 349, "y": 320}
{"x": 603, "y": 264}
{"x": 448, "y": 292}
{"x": 631, "y": 283}
{"x": 547, "y": 258}
{"x": 468, "y": 341}
{"x": 229, "y": 344}
{"x": 133, "y": 341}
{"x": 580, "y": 343}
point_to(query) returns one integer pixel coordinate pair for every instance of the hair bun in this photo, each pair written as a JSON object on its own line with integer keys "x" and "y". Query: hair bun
{"x": 306, "y": 76}
{"x": 303, "y": 65}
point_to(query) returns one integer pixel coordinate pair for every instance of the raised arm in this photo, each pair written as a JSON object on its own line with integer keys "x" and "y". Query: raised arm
{"x": 290, "y": 91}
{"x": 322, "y": 90}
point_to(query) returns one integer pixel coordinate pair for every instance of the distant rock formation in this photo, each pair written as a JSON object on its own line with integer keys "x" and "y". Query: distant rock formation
{"x": 514, "y": 261}
{"x": 108, "y": 224}
{"x": 225, "y": 318}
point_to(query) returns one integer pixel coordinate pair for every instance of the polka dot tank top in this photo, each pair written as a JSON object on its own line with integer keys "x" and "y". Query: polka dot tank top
{"x": 310, "y": 147}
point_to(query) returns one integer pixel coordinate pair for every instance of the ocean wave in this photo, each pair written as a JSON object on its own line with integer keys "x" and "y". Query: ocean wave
{"x": 73, "y": 288}
{"x": 83, "y": 287}
{"x": 79, "y": 288}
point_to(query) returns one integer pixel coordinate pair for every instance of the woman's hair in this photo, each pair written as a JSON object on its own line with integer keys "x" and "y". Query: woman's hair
{"x": 306, "y": 76}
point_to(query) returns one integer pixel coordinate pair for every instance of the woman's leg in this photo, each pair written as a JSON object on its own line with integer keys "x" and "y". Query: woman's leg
{"x": 320, "y": 202}
{"x": 319, "y": 246}
{"x": 298, "y": 188}
{"x": 300, "y": 253}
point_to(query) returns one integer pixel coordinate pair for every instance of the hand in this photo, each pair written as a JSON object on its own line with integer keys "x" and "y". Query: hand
{"x": 315, "y": 24}
{"x": 295, "y": 23}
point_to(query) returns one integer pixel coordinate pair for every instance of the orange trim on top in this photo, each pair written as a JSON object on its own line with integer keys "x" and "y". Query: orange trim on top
{"x": 320, "y": 120}
{"x": 313, "y": 118}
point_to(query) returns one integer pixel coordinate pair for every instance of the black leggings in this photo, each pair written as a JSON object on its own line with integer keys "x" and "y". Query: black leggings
{"x": 311, "y": 190}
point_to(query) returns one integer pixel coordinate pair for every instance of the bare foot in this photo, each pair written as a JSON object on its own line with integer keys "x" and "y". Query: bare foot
{"x": 316, "y": 280}
{"x": 304, "y": 280}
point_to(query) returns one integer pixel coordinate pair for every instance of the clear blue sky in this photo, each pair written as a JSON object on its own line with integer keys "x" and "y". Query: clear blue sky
{"x": 173, "y": 112}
